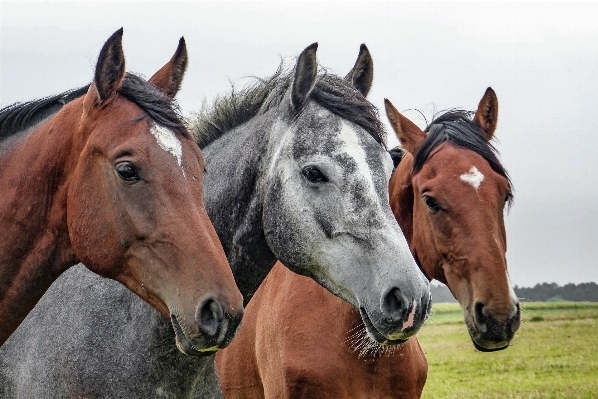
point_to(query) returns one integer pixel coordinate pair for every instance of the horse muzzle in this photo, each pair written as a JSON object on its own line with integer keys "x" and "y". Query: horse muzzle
{"x": 487, "y": 333}
{"x": 399, "y": 318}
{"x": 216, "y": 328}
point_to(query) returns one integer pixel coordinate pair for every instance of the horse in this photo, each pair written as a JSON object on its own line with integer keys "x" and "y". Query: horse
{"x": 109, "y": 175}
{"x": 447, "y": 193}
{"x": 297, "y": 171}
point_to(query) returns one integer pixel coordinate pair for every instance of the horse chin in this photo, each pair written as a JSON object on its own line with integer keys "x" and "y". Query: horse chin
{"x": 185, "y": 345}
{"x": 376, "y": 335}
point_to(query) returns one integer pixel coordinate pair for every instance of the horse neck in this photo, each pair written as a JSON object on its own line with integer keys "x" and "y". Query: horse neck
{"x": 35, "y": 247}
{"x": 232, "y": 194}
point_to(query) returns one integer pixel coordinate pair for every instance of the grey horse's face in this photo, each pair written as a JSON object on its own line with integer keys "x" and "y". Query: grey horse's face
{"x": 327, "y": 216}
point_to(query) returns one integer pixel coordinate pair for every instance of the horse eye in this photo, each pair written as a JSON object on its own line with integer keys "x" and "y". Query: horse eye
{"x": 314, "y": 174}
{"x": 127, "y": 171}
{"x": 431, "y": 203}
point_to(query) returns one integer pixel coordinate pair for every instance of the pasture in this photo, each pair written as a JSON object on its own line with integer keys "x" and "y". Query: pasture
{"x": 553, "y": 355}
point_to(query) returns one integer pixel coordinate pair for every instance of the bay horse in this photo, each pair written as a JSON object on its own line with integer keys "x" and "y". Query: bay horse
{"x": 447, "y": 193}
{"x": 109, "y": 175}
{"x": 297, "y": 171}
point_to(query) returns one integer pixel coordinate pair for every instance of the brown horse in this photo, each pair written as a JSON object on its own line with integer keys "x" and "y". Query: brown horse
{"x": 114, "y": 180}
{"x": 448, "y": 194}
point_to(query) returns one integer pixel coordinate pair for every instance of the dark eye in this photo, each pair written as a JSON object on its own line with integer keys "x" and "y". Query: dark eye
{"x": 314, "y": 174}
{"x": 127, "y": 171}
{"x": 431, "y": 203}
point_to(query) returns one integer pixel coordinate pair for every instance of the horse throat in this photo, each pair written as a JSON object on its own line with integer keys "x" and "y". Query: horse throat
{"x": 233, "y": 199}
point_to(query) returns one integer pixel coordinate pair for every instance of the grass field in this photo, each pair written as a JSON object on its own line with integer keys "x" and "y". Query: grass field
{"x": 553, "y": 355}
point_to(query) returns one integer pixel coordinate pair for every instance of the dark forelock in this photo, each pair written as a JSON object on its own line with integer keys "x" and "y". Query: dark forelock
{"x": 456, "y": 127}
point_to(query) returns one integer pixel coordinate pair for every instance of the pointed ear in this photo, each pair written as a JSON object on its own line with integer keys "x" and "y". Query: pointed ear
{"x": 487, "y": 114}
{"x": 110, "y": 69}
{"x": 306, "y": 72}
{"x": 169, "y": 78}
{"x": 410, "y": 136}
{"x": 362, "y": 74}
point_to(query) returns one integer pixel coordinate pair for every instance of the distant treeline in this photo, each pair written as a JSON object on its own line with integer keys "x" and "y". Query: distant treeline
{"x": 584, "y": 292}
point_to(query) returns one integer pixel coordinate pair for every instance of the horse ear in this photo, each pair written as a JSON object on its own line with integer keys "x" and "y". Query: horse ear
{"x": 410, "y": 136}
{"x": 362, "y": 74}
{"x": 306, "y": 72}
{"x": 169, "y": 78}
{"x": 110, "y": 69}
{"x": 487, "y": 114}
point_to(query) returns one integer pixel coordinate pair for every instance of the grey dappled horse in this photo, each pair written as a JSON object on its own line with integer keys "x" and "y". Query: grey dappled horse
{"x": 297, "y": 171}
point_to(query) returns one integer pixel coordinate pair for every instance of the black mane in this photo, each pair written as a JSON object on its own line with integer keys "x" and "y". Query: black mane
{"x": 397, "y": 154}
{"x": 457, "y": 128}
{"x": 332, "y": 92}
{"x": 20, "y": 116}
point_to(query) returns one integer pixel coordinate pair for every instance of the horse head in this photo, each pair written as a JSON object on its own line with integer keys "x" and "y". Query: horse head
{"x": 449, "y": 193}
{"x": 135, "y": 207}
{"x": 326, "y": 209}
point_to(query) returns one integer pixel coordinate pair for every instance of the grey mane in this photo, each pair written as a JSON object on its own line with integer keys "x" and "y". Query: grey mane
{"x": 239, "y": 106}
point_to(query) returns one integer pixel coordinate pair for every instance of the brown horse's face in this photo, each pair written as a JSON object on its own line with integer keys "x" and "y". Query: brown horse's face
{"x": 459, "y": 237}
{"x": 457, "y": 233}
{"x": 136, "y": 214}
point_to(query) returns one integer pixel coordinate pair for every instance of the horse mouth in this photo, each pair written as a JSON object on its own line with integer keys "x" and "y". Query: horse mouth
{"x": 185, "y": 345}
{"x": 376, "y": 335}
{"x": 499, "y": 347}
{"x": 484, "y": 345}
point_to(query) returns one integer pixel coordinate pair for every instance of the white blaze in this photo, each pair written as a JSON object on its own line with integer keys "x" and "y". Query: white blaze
{"x": 473, "y": 177}
{"x": 355, "y": 149}
{"x": 168, "y": 142}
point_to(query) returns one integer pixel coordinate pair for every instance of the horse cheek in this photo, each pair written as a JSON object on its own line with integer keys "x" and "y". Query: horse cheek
{"x": 90, "y": 219}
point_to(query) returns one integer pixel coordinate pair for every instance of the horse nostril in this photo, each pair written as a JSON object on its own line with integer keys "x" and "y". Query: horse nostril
{"x": 209, "y": 316}
{"x": 393, "y": 305}
{"x": 480, "y": 317}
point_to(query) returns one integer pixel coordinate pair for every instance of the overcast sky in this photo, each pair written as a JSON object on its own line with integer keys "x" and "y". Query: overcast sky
{"x": 541, "y": 59}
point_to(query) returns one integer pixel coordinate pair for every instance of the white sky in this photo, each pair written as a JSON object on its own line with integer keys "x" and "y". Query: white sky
{"x": 540, "y": 58}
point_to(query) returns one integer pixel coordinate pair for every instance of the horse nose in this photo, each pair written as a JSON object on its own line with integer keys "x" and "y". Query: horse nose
{"x": 395, "y": 306}
{"x": 480, "y": 317}
{"x": 489, "y": 326}
{"x": 209, "y": 316}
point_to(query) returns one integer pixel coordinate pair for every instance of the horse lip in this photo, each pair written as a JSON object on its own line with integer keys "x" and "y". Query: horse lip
{"x": 484, "y": 349}
{"x": 184, "y": 344}
{"x": 373, "y": 332}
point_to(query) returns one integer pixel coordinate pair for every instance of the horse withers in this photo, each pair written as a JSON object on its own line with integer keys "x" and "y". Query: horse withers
{"x": 449, "y": 202}
{"x": 108, "y": 175}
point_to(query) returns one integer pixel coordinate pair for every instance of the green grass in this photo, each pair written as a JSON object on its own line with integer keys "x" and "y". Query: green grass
{"x": 553, "y": 355}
